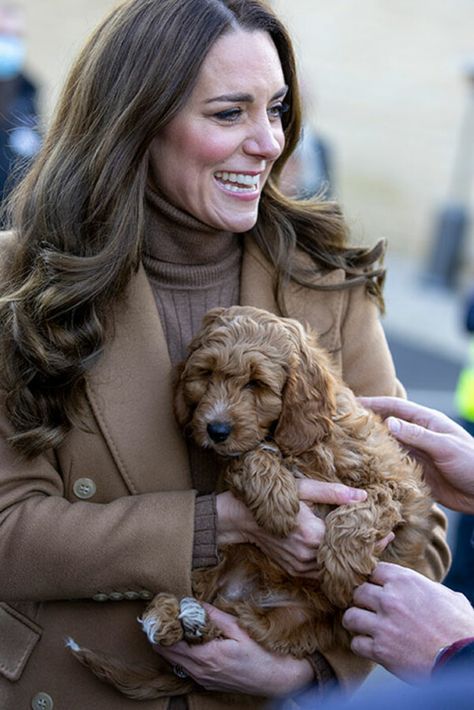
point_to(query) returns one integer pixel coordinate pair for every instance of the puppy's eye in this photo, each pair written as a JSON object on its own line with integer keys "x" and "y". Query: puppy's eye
{"x": 253, "y": 384}
{"x": 203, "y": 373}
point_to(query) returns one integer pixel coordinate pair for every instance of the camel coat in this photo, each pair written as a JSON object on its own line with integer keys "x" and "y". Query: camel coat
{"x": 91, "y": 530}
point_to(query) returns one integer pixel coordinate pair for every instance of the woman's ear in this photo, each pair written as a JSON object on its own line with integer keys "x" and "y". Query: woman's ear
{"x": 309, "y": 401}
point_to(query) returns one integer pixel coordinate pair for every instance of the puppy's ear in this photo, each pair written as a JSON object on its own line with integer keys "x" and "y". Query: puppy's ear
{"x": 309, "y": 400}
{"x": 208, "y": 324}
{"x": 182, "y": 410}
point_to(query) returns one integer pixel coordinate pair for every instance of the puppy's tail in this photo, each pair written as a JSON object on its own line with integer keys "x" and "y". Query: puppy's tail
{"x": 143, "y": 683}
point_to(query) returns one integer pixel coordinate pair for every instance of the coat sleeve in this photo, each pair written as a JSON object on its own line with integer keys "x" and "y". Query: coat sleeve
{"x": 51, "y": 548}
{"x": 367, "y": 365}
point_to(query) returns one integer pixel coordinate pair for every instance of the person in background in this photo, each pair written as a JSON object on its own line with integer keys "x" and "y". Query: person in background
{"x": 309, "y": 171}
{"x": 19, "y": 135}
{"x": 400, "y": 619}
{"x": 460, "y": 576}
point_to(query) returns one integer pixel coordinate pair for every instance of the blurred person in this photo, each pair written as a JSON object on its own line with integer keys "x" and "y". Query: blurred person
{"x": 400, "y": 619}
{"x": 453, "y": 688}
{"x": 460, "y": 576}
{"x": 19, "y": 135}
{"x": 154, "y": 198}
{"x": 309, "y": 171}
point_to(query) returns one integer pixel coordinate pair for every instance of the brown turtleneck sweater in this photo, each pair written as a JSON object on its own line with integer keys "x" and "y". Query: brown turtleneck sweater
{"x": 191, "y": 268}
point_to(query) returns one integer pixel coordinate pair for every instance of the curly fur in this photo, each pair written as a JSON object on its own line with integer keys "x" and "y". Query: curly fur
{"x": 270, "y": 388}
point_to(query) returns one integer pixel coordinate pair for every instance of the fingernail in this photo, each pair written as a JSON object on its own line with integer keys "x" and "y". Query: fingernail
{"x": 394, "y": 425}
{"x": 358, "y": 494}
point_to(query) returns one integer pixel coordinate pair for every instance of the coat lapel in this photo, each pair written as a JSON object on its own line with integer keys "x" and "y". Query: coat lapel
{"x": 130, "y": 392}
{"x": 321, "y": 310}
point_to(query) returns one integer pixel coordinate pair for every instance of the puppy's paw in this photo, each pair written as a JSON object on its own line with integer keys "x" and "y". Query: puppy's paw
{"x": 161, "y": 621}
{"x": 193, "y": 618}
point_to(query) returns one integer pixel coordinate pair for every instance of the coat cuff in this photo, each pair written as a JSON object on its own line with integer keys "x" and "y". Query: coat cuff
{"x": 205, "y": 536}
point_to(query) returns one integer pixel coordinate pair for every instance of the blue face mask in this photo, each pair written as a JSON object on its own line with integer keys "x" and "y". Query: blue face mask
{"x": 12, "y": 56}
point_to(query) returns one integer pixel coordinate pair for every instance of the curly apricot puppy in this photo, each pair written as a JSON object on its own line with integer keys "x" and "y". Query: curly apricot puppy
{"x": 259, "y": 390}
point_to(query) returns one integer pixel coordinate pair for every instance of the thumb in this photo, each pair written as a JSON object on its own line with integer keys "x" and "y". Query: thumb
{"x": 227, "y": 623}
{"x": 313, "y": 491}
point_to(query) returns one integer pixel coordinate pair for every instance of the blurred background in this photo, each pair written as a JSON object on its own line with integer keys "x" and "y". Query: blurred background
{"x": 389, "y": 100}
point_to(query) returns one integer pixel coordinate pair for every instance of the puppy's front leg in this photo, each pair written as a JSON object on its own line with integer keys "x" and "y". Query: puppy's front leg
{"x": 268, "y": 488}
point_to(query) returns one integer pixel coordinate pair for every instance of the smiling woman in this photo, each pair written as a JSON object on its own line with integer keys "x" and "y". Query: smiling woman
{"x": 153, "y": 199}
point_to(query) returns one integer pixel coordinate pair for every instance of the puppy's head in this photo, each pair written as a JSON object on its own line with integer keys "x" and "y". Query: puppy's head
{"x": 244, "y": 380}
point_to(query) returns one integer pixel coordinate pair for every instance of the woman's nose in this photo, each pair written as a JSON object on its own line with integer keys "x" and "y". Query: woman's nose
{"x": 265, "y": 140}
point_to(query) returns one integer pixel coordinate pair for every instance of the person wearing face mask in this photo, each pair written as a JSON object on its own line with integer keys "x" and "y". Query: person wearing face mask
{"x": 154, "y": 198}
{"x": 19, "y": 136}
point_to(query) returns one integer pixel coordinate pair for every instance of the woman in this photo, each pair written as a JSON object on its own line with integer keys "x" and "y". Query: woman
{"x": 153, "y": 199}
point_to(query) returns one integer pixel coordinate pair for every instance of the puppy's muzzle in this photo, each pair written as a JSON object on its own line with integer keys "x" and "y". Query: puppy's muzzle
{"x": 219, "y": 431}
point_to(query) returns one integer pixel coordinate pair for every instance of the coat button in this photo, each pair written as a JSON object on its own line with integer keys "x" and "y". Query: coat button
{"x": 84, "y": 488}
{"x": 116, "y": 596}
{"x": 100, "y": 597}
{"x": 131, "y": 596}
{"x": 42, "y": 701}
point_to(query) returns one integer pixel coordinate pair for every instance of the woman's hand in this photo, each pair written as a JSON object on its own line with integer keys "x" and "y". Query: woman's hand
{"x": 296, "y": 553}
{"x": 444, "y": 449}
{"x": 401, "y": 619}
{"x": 237, "y": 664}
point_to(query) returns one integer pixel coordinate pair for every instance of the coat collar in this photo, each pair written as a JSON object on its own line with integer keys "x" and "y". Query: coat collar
{"x": 130, "y": 391}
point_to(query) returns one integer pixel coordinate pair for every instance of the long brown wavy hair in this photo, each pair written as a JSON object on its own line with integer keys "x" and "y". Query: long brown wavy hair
{"x": 79, "y": 213}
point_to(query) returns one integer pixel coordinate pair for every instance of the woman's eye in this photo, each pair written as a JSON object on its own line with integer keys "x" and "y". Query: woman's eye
{"x": 278, "y": 110}
{"x": 230, "y": 115}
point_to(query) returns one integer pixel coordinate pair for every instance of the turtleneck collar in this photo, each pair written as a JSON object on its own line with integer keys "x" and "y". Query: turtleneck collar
{"x": 176, "y": 237}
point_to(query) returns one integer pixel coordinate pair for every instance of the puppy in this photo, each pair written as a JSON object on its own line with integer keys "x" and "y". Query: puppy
{"x": 261, "y": 392}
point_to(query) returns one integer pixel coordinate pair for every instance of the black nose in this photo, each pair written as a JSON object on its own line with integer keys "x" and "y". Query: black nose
{"x": 219, "y": 431}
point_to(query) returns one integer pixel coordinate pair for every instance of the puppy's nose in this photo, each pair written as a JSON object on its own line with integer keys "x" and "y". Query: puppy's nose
{"x": 219, "y": 431}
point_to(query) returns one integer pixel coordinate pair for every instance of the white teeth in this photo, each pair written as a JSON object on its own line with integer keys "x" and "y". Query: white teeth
{"x": 239, "y": 179}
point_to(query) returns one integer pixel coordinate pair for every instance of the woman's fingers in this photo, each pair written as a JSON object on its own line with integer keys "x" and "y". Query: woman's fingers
{"x": 330, "y": 493}
{"x": 227, "y": 623}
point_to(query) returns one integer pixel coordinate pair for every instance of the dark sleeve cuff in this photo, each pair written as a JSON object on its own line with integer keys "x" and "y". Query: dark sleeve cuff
{"x": 457, "y": 652}
{"x": 323, "y": 671}
{"x": 205, "y": 536}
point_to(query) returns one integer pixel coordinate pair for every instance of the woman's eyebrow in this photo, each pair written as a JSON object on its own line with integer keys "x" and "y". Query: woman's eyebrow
{"x": 245, "y": 98}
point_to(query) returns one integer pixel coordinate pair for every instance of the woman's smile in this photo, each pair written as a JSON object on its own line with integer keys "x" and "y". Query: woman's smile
{"x": 240, "y": 185}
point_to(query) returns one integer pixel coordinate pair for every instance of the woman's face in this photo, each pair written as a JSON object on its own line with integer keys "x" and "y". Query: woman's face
{"x": 214, "y": 156}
